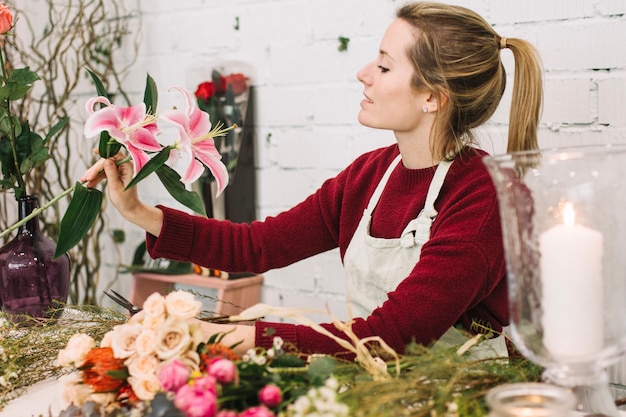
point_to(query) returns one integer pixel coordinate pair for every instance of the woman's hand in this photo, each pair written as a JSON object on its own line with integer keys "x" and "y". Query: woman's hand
{"x": 127, "y": 202}
{"x": 234, "y": 333}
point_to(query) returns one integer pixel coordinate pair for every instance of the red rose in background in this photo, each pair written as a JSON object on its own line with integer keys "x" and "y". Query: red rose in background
{"x": 205, "y": 90}
{"x": 225, "y": 99}
{"x": 238, "y": 81}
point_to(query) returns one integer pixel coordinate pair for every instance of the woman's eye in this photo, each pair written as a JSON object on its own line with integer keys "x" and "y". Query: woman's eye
{"x": 383, "y": 69}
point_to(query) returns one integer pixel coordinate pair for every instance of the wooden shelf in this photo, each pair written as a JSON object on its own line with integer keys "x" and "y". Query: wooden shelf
{"x": 233, "y": 295}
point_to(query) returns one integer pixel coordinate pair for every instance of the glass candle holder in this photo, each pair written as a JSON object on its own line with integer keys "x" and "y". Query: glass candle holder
{"x": 563, "y": 216}
{"x": 531, "y": 399}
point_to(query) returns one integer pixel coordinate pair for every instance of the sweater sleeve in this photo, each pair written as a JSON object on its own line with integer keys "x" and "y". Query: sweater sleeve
{"x": 321, "y": 222}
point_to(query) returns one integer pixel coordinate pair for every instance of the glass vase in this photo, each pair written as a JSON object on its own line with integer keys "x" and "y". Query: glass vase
{"x": 564, "y": 230}
{"x": 31, "y": 281}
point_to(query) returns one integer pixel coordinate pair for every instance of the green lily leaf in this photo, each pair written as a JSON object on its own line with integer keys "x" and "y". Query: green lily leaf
{"x": 150, "y": 95}
{"x": 171, "y": 181}
{"x": 153, "y": 164}
{"x": 99, "y": 86}
{"x": 106, "y": 147}
{"x": 79, "y": 217}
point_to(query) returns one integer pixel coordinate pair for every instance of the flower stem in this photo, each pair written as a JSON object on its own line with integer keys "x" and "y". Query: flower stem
{"x": 41, "y": 209}
{"x": 36, "y": 212}
{"x": 20, "y": 180}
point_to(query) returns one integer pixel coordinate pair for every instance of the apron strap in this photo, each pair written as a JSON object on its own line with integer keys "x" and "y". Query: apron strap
{"x": 381, "y": 185}
{"x": 417, "y": 232}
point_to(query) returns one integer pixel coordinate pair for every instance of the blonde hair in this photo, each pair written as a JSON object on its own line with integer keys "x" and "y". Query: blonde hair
{"x": 456, "y": 56}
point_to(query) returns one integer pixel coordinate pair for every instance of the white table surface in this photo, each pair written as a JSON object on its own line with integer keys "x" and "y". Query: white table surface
{"x": 42, "y": 399}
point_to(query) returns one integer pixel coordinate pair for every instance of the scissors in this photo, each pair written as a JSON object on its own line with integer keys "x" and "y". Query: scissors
{"x": 122, "y": 301}
{"x": 133, "y": 309}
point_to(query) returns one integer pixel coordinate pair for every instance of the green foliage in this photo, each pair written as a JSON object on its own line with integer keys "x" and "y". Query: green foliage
{"x": 432, "y": 379}
{"x": 21, "y": 150}
{"x": 343, "y": 44}
{"x": 79, "y": 217}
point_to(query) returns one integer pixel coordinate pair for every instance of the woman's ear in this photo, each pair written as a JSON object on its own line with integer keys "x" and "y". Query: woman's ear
{"x": 433, "y": 103}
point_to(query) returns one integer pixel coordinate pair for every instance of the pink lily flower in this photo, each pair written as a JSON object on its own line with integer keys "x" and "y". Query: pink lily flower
{"x": 195, "y": 139}
{"x": 130, "y": 126}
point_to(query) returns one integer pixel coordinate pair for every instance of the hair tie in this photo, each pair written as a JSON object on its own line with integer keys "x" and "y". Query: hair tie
{"x": 503, "y": 44}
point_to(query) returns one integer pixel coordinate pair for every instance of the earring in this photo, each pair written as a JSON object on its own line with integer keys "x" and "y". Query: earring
{"x": 425, "y": 109}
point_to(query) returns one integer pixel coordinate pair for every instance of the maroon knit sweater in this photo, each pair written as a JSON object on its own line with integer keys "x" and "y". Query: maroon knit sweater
{"x": 460, "y": 277}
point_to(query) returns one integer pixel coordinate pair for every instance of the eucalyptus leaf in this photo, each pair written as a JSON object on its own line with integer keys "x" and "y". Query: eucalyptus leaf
{"x": 171, "y": 181}
{"x": 79, "y": 217}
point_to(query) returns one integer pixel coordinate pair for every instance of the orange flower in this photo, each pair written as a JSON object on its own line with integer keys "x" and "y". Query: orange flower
{"x": 6, "y": 18}
{"x": 213, "y": 351}
{"x": 126, "y": 395}
{"x": 102, "y": 370}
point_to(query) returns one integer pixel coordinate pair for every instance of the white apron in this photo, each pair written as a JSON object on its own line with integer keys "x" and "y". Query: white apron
{"x": 376, "y": 266}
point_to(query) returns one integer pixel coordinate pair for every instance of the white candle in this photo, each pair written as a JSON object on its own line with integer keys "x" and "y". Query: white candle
{"x": 572, "y": 300}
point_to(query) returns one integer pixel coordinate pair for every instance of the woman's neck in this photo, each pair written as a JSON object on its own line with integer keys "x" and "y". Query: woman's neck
{"x": 416, "y": 151}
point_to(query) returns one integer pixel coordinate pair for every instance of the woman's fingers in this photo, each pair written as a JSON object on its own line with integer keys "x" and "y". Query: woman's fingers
{"x": 94, "y": 174}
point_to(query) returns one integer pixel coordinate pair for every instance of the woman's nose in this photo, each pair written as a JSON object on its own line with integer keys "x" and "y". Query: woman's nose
{"x": 363, "y": 75}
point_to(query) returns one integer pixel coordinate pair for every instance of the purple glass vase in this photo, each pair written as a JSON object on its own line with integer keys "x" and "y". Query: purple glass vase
{"x": 31, "y": 281}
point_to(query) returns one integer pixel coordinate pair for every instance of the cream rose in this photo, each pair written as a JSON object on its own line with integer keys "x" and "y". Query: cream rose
{"x": 142, "y": 366}
{"x": 145, "y": 342}
{"x": 182, "y": 304}
{"x": 147, "y": 321}
{"x": 154, "y": 305}
{"x": 145, "y": 387}
{"x": 173, "y": 339}
{"x": 107, "y": 339}
{"x": 124, "y": 340}
{"x": 74, "y": 391}
{"x": 76, "y": 349}
{"x": 191, "y": 359}
{"x": 153, "y": 322}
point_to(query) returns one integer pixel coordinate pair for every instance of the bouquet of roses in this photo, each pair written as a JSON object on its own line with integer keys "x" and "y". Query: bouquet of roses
{"x": 159, "y": 364}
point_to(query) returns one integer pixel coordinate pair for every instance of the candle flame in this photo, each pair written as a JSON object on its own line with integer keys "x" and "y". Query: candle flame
{"x": 569, "y": 214}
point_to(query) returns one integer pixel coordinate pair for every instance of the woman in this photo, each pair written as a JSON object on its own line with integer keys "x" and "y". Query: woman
{"x": 416, "y": 223}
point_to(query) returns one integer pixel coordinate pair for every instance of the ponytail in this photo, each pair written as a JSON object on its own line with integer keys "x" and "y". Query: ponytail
{"x": 527, "y": 100}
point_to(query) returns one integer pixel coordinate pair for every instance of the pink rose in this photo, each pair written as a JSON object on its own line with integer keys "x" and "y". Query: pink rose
{"x": 173, "y": 375}
{"x": 6, "y": 18}
{"x": 205, "y": 383}
{"x": 270, "y": 395}
{"x": 260, "y": 411}
{"x": 195, "y": 402}
{"x": 223, "y": 370}
{"x": 226, "y": 413}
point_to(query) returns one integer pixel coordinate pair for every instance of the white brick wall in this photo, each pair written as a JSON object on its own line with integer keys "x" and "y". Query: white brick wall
{"x": 308, "y": 96}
